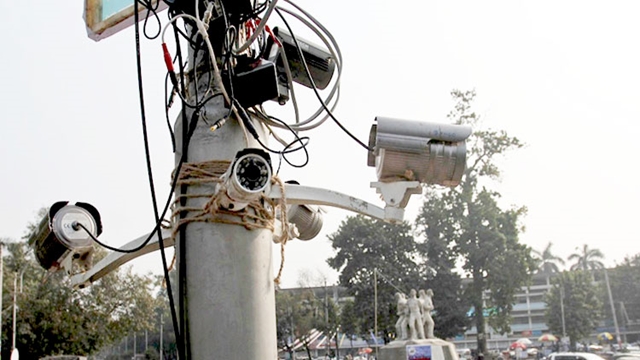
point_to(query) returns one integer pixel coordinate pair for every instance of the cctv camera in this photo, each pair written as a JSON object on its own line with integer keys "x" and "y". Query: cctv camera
{"x": 59, "y": 240}
{"x": 248, "y": 177}
{"x": 318, "y": 60}
{"x": 430, "y": 153}
{"x": 306, "y": 218}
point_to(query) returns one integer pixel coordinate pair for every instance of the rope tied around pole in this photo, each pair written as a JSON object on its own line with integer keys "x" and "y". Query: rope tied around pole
{"x": 206, "y": 178}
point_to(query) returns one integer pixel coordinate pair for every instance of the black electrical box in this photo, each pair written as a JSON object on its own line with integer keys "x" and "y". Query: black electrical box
{"x": 252, "y": 84}
{"x": 235, "y": 10}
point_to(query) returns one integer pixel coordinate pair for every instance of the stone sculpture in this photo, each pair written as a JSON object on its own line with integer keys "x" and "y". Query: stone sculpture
{"x": 416, "y": 326}
{"x": 414, "y": 315}
{"x": 427, "y": 306}
{"x": 403, "y": 315}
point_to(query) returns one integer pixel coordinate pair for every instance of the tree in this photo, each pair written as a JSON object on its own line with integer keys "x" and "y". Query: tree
{"x": 349, "y": 321}
{"x": 587, "y": 259}
{"x": 580, "y": 303}
{"x": 298, "y": 313}
{"x": 548, "y": 261}
{"x": 468, "y": 222}
{"x": 365, "y": 246}
{"x": 53, "y": 318}
{"x": 625, "y": 287}
{"x": 450, "y": 316}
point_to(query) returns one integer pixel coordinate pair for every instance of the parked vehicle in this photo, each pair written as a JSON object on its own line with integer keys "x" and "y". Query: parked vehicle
{"x": 464, "y": 354}
{"x": 574, "y": 356}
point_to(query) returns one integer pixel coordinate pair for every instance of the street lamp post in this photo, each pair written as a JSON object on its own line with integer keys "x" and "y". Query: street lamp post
{"x": 564, "y": 330}
{"x": 1, "y": 287}
{"x": 613, "y": 308}
{"x": 161, "y": 336}
{"x": 13, "y": 335}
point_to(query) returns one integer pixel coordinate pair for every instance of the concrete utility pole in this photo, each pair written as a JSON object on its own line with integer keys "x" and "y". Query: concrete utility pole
{"x": 229, "y": 298}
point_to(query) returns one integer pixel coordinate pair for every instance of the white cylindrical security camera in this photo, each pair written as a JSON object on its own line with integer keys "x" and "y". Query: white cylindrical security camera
{"x": 247, "y": 179}
{"x": 430, "y": 153}
{"x": 58, "y": 238}
{"x": 307, "y": 219}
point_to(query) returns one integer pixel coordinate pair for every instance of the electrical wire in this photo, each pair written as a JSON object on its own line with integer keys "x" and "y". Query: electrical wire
{"x": 157, "y": 218}
{"x": 196, "y": 40}
{"x": 304, "y": 141}
{"x": 315, "y": 89}
{"x": 151, "y": 9}
{"x": 183, "y": 343}
{"x": 258, "y": 30}
{"x": 168, "y": 100}
{"x": 156, "y": 229}
{"x": 334, "y": 93}
{"x": 202, "y": 28}
{"x": 336, "y": 54}
{"x": 144, "y": 121}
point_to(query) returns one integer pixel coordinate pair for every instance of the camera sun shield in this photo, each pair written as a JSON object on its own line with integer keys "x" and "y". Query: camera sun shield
{"x": 430, "y": 153}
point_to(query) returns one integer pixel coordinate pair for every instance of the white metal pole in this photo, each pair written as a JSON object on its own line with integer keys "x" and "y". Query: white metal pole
{"x": 161, "y": 335}
{"x": 229, "y": 297}
{"x": 15, "y": 291}
{"x": 564, "y": 331}
{"x": 613, "y": 309}
{"x": 1, "y": 289}
{"x": 375, "y": 307}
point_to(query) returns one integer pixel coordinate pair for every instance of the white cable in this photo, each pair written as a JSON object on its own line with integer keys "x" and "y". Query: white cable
{"x": 294, "y": 100}
{"x": 337, "y": 55}
{"x": 337, "y": 58}
{"x": 201, "y": 27}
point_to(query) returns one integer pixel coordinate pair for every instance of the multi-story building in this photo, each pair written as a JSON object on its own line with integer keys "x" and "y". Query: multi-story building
{"x": 528, "y": 316}
{"x": 528, "y": 319}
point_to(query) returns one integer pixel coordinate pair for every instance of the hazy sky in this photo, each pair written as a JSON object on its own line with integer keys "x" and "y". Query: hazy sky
{"x": 561, "y": 76}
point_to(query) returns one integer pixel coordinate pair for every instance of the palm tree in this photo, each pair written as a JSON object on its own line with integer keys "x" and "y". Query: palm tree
{"x": 548, "y": 262}
{"x": 587, "y": 259}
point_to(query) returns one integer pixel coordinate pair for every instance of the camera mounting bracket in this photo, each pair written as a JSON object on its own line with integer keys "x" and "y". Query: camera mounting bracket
{"x": 396, "y": 196}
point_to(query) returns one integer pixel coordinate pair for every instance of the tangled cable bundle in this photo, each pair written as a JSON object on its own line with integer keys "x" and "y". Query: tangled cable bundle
{"x": 218, "y": 39}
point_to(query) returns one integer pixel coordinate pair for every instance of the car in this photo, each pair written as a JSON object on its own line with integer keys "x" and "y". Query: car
{"x": 574, "y": 356}
{"x": 464, "y": 354}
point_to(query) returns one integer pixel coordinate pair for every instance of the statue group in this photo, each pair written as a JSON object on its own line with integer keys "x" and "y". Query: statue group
{"x": 414, "y": 315}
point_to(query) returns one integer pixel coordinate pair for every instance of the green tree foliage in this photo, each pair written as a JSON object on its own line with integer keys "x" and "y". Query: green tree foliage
{"x": 52, "y": 318}
{"x": 468, "y": 224}
{"x": 451, "y": 305}
{"x": 298, "y": 312}
{"x": 547, "y": 261}
{"x": 624, "y": 280}
{"x": 580, "y": 302}
{"x": 365, "y": 244}
{"x": 587, "y": 259}
{"x": 350, "y": 323}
